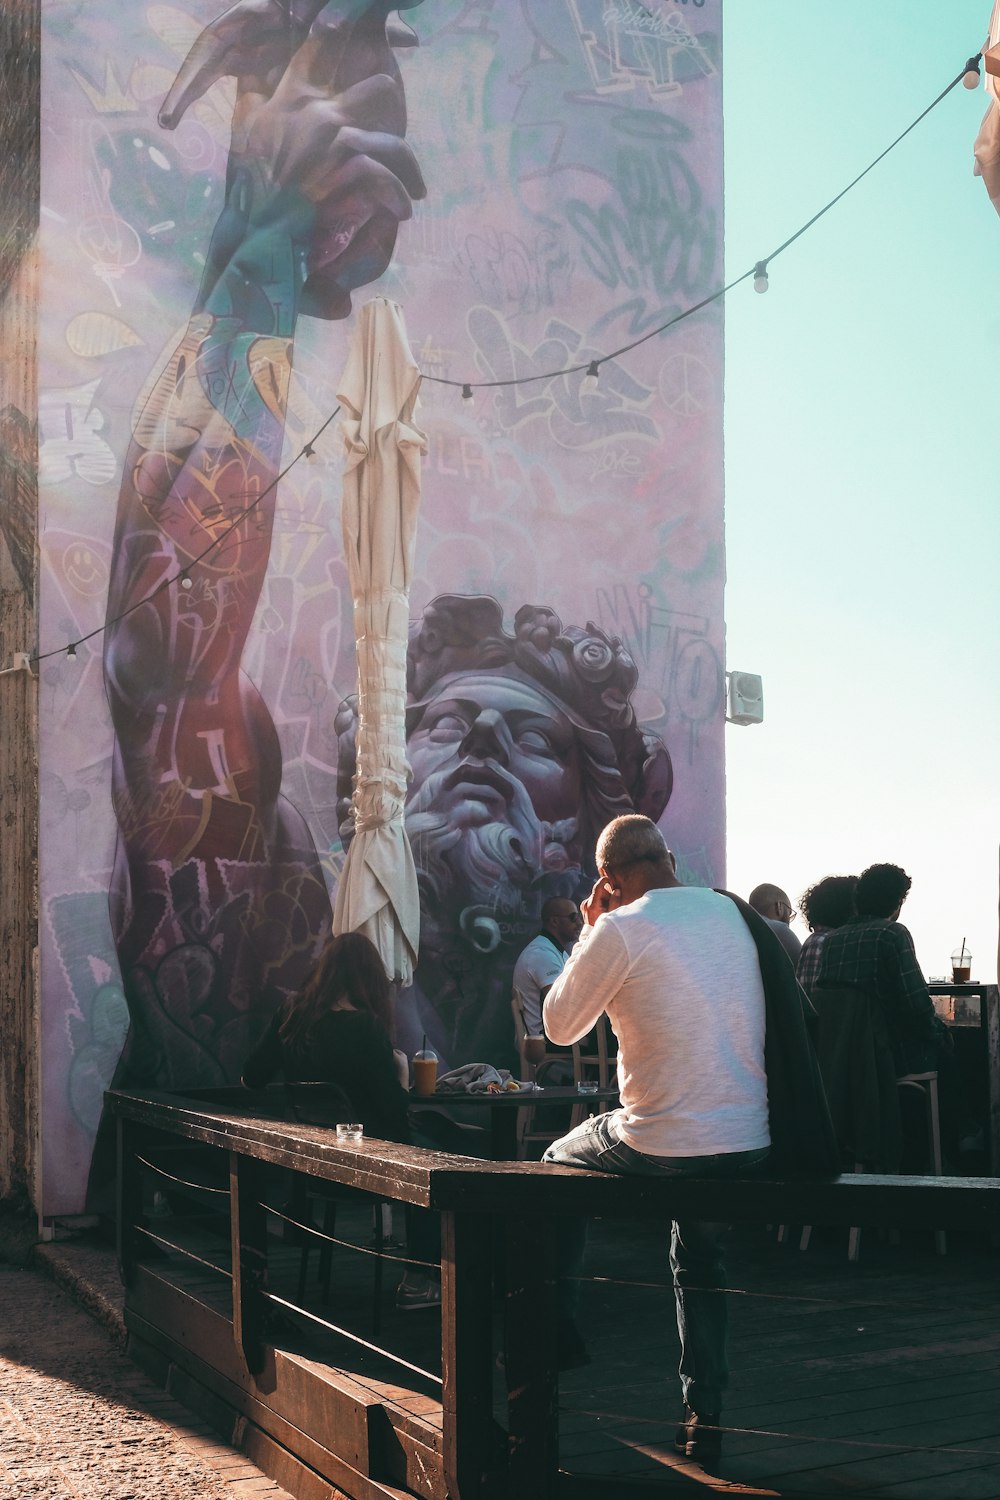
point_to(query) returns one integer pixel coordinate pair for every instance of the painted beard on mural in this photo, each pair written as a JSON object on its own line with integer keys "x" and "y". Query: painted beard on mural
{"x": 522, "y": 747}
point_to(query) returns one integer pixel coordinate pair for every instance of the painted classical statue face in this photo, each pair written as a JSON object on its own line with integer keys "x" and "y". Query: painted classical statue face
{"x": 522, "y": 744}
{"x": 483, "y": 734}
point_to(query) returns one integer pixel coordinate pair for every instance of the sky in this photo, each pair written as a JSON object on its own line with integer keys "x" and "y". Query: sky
{"x": 863, "y": 461}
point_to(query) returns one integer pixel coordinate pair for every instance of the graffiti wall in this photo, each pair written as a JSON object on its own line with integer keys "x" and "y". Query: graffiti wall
{"x": 538, "y": 185}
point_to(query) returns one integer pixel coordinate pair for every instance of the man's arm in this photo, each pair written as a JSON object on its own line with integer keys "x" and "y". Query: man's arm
{"x": 595, "y": 971}
{"x": 910, "y": 997}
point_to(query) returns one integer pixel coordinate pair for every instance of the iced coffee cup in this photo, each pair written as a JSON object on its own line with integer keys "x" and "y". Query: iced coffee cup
{"x": 425, "y": 1072}
{"x": 961, "y": 966}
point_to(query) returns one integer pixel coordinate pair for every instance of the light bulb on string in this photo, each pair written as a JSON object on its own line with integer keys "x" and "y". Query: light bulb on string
{"x": 309, "y": 453}
{"x": 760, "y": 281}
{"x": 971, "y": 77}
{"x": 185, "y": 581}
{"x": 71, "y": 653}
{"x": 468, "y": 398}
{"x": 592, "y": 378}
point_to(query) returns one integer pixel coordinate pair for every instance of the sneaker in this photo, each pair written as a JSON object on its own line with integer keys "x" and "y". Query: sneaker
{"x": 412, "y": 1296}
{"x": 699, "y": 1438}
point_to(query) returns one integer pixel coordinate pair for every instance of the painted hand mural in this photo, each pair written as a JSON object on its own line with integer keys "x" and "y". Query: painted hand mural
{"x": 218, "y": 898}
{"x": 522, "y": 746}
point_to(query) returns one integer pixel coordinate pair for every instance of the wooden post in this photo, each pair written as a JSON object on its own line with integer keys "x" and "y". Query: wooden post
{"x": 248, "y": 1233}
{"x": 530, "y": 1356}
{"x": 467, "y": 1352}
{"x": 20, "y": 58}
{"x": 991, "y": 1029}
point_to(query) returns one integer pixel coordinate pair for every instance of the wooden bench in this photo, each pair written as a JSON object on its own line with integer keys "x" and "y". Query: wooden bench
{"x": 473, "y": 1197}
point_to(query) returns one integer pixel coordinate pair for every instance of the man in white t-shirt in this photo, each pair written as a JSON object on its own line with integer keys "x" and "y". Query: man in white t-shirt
{"x": 676, "y": 969}
{"x": 541, "y": 962}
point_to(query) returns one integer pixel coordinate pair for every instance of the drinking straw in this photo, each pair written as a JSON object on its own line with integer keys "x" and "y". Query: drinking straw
{"x": 423, "y": 1044}
{"x": 962, "y": 954}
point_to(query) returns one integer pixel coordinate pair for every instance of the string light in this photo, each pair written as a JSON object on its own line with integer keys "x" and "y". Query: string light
{"x": 969, "y": 77}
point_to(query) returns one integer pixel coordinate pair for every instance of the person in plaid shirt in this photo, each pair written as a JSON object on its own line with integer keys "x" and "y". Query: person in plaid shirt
{"x": 826, "y": 906}
{"x": 875, "y": 953}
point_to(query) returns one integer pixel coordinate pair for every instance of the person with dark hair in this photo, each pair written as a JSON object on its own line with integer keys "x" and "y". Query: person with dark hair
{"x": 826, "y": 906}
{"x": 874, "y": 952}
{"x": 542, "y": 961}
{"x": 881, "y": 891}
{"x": 337, "y": 1030}
{"x": 771, "y": 903}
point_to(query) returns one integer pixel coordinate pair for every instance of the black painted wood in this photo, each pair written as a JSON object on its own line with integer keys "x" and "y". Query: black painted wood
{"x": 248, "y": 1229}
{"x": 435, "y": 1179}
{"x": 472, "y": 1195}
{"x": 530, "y": 1355}
{"x": 467, "y": 1378}
{"x": 128, "y": 1208}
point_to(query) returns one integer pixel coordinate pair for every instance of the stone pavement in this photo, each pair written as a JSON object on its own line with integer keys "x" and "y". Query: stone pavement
{"x": 78, "y": 1421}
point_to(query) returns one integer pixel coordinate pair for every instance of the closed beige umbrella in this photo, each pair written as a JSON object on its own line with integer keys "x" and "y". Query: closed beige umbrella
{"x": 377, "y": 893}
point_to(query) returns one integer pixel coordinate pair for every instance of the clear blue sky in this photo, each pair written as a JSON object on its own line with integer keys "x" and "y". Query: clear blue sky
{"x": 863, "y": 460}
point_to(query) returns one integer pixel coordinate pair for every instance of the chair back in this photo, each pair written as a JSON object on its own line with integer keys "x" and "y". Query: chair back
{"x": 856, "y": 1064}
{"x": 599, "y": 1061}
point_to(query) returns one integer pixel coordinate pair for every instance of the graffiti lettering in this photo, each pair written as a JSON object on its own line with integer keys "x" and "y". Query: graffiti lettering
{"x": 661, "y": 236}
{"x": 504, "y": 269}
{"x": 575, "y": 418}
{"x": 611, "y": 463}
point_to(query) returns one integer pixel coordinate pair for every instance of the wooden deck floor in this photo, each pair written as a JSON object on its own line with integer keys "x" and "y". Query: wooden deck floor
{"x": 875, "y": 1379}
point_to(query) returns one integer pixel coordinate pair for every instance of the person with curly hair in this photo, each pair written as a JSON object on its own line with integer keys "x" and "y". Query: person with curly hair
{"x": 826, "y": 906}
{"x": 874, "y": 952}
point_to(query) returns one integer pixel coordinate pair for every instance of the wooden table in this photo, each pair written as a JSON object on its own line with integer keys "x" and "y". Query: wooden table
{"x": 502, "y": 1109}
{"x": 989, "y": 1027}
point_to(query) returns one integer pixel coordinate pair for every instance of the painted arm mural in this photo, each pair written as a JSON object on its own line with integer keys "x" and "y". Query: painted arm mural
{"x": 218, "y": 897}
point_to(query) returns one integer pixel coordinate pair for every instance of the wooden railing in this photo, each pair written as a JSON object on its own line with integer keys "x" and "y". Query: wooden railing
{"x": 458, "y": 1451}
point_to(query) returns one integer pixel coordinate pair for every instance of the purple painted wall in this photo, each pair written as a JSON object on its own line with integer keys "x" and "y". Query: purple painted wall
{"x": 537, "y": 185}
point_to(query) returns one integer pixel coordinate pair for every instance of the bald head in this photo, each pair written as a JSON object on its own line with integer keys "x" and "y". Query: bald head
{"x": 771, "y": 901}
{"x": 562, "y": 921}
{"x": 633, "y": 857}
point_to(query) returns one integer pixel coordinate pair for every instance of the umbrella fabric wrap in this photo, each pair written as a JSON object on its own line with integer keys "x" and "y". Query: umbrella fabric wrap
{"x": 377, "y": 893}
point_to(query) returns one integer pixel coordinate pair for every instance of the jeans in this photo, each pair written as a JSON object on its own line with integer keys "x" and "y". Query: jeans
{"x": 696, "y": 1248}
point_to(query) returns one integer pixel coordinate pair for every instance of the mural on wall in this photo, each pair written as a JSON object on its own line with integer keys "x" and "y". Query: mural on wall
{"x": 537, "y": 185}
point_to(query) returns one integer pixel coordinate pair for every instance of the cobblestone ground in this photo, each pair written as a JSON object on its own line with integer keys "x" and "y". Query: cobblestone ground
{"x": 78, "y": 1421}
